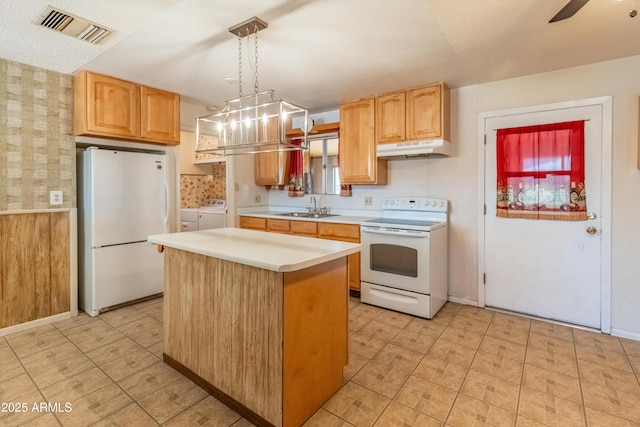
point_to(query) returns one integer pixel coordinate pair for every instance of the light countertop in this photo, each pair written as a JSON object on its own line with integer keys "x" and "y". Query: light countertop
{"x": 271, "y": 251}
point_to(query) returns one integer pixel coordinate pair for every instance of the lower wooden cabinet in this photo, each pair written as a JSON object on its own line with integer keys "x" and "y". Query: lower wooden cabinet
{"x": 321, "y": 230}
{"x": 35, "y": 266}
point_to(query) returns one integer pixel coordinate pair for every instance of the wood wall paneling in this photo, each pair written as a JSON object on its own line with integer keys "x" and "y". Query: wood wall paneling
{"x": 60, "y": 264}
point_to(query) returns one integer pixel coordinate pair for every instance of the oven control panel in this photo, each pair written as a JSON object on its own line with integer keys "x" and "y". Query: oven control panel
{"x": 416, "y": 204}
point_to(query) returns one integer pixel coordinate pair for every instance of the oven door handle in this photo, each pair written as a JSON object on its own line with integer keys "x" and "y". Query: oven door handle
{"x": 394, "y": 232}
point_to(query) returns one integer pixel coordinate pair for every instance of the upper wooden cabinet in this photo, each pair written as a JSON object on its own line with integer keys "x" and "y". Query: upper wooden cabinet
{"x": 113, "y": 108}
{"x": 358, "y": 161}
{"x": 415, "y": 114}
{"x": 271, "y": 168}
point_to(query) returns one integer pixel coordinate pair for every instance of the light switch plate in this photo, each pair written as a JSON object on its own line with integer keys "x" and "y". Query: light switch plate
{"x": 55, "y": 197}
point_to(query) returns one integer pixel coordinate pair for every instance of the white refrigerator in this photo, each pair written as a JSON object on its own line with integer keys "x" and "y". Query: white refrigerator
{"x": 123, "y": 198}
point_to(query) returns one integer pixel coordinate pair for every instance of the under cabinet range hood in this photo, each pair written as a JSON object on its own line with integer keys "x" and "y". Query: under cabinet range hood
{"x": 411, "y": 149}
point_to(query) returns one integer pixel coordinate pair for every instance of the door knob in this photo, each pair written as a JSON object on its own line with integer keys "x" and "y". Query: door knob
{"x": 591, "y": 230}
{"x": 592, "y": 215}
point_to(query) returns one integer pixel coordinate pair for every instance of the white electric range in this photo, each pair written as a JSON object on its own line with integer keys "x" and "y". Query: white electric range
{"x": 404, "y": 260}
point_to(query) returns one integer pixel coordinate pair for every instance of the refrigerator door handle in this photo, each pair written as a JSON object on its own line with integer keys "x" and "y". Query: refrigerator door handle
{"x": 166, "y": 206}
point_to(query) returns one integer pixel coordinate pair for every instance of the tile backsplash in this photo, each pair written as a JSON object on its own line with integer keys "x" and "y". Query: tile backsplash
{"x": 195, "y": 190}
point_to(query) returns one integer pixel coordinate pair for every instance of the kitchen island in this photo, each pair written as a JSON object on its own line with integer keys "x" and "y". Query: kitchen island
{"x": 257, "y": 319}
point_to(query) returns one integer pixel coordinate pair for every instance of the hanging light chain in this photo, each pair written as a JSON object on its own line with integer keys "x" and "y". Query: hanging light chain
{"x": 255, "y": 87}
{"x": 240, "y": 64}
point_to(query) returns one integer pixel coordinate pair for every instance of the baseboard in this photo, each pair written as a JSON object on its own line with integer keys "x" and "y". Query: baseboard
{"x": 625, "y": 334}
{"x": 33, "y": 323}
{"x": 464, "y": 301}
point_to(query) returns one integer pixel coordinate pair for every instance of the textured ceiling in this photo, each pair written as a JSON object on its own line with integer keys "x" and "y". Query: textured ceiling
{"x": 317, "y": 53}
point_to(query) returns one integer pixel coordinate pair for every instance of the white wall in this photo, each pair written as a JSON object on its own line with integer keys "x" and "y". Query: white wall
{"x": 455, "y": 178}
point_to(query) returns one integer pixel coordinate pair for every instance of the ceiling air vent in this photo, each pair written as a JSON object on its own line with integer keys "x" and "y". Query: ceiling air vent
{"x": 71, "y": 25}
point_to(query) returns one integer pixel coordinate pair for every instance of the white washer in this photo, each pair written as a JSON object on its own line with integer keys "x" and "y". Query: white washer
{"x": 212, "y": 215}
{"x": 189, "y": 219}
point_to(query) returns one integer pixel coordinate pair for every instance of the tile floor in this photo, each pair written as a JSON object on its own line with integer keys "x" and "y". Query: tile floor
{"x": 466, "y": 367}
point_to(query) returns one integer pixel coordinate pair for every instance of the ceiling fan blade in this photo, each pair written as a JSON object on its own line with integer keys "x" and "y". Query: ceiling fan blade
{"x": 569, "y": 10}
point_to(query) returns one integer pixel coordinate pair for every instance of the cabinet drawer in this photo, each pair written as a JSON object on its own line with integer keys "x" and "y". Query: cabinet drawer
{"x": 253, "y": 223}
{"x": 343, "y": 232}
{"x": 278, "y": 225}
{"x": 304, "y": 228}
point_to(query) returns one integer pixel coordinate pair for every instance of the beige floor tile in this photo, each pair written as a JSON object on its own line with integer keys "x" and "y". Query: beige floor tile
{"x": 72, "y": 322}
{"x": 93, "y": 335}
{"x": 365, "y": 345}
{"x": 425, "y": 327}
{"x": 442, "y": 318}
{"x": 77, "y": 386}
{"x": 526, "y": 422}
{"x": 148, "y": 380}
{"x": 451, "y": 352}
{"x": 552, "y": 330}
{"x": 144, "y": 305}
{"x": 468, "y": 411}
{"x": 379, "y": 330}
{"x": 388, "y": 370}
{"x": 46, "y": 420}
{"x": 112, "y": 351}
{"x": 122, "y": 316}
{"x": 603, "y": 356}
{"x": 600, "y": 341}
{"x": 469, "y": 324}
{"x": 243, "y": 422}
{"x": 631, "y": 348}
{"x": 510, "y": 333}
{"x": 549, "y": 409}
{"x": 95, "y": 406}
{"x": 131, "y": 415}
{"x": 129, "y": 364}
{"x": 56, "y": 364}
{"x": 414, "y": 341}
{"x": 357, "y": 405}
{"x": 596, "y": 418}
{"x": 442, "y": 372}
{"x": 552, "y": 361}
{"x": 367, "y": 310}
{"x": 157, "y": 349}
{"x": 490, "y": 389}
{"x": 209, "y": 412}
{"x": 10, "y": 364}
{"x": 324, "y": 418}
{"x": 358, "y": 322}
{"x": 610, "y": 377}
{"x": 498, "y": 366}
{"x": 554, "y": 383}
{"x": 155, "y": 312}
{"x": 611, "y": 401}
{"x": 12, "y": 390}
{"x": 634, "y": 360}
{"x": 22, "y": 412}
{"x": 139, "y": 325}
{"x": 397, "y": 414}
{"x": 149, "y": 337}
{"x": 479, "y": 314}
{"x": 463, "y": 337}
{"x": 504, "y": 348}
{"x": 510, "y": 321}
{"x": 426, "y": 397}
{"x": 451, "y": 307}
{"x": 34, "y": 340}
{"x": 356, "y": 362}
{"x": 168, "y": 401}
{"x": 551, "y": 344}
{"x": 395, "y": 319}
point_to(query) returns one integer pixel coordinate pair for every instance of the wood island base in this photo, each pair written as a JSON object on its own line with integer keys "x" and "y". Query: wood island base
{"x": 270, "y": 345}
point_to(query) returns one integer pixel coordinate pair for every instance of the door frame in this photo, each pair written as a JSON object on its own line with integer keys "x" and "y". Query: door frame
{"x": 605, "y": 253}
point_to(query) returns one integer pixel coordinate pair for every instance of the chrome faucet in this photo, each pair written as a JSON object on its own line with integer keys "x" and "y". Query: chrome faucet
{"x": 315, "y": 208}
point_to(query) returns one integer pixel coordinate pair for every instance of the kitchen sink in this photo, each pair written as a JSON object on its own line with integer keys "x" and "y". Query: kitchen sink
{"x": 306, "y": 215}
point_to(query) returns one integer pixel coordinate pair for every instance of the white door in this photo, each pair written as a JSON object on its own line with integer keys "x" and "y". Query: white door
{"x": 549, "y": 269}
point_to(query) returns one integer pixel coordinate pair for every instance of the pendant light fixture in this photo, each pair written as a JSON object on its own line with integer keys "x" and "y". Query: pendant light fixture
{"x": 254, "y": 123}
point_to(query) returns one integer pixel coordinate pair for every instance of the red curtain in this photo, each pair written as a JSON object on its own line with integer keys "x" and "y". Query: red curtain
{"x": 541, "y": 172}
{"x": 296, "y": 170}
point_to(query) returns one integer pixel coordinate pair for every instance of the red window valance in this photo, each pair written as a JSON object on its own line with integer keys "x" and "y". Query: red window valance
{"x": 541, "y": 172}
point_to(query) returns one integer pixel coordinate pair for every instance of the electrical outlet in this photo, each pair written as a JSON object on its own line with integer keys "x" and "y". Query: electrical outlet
{"x": 55, "y": 197}
{"x": 256, "y": 198}
{"x": 368, "y": 201}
